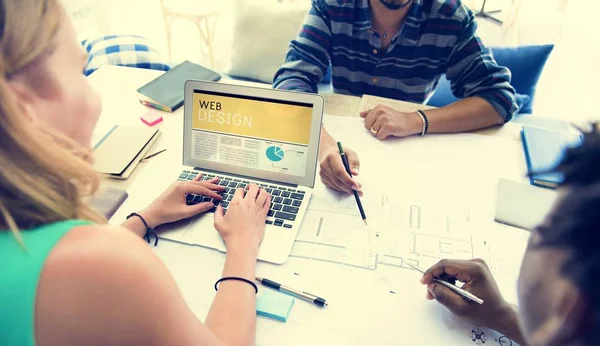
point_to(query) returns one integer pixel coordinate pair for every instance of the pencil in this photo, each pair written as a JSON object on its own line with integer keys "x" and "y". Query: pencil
{"x": 356, "y": 196}
{"x": 152, "y": 155}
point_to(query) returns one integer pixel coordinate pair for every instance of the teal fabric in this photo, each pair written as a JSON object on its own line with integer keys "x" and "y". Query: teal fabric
{"x": 21, "y": 269}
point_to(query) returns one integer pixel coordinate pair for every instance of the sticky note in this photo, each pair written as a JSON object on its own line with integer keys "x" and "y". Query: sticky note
{"x": 274, "y": 305}
{"x": 151, "y": 118}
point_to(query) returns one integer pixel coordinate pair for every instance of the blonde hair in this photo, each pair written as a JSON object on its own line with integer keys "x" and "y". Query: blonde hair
{"x": 44, "y": 177}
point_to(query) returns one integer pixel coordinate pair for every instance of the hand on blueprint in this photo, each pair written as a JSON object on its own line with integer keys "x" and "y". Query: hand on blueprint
{"x": 334, "y": 175}
{"x": 171, "y": 206}
{"x": 494, "y": 313}
{"x": 244, "y": 223}
{"x": 384, "y": 122}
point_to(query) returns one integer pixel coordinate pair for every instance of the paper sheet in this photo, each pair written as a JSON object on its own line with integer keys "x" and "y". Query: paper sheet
{"x": 369, "y": 102}
{"x": 422, "y": 205}
{"x": 362, "y": 268}
{"x": 342, "y": 105}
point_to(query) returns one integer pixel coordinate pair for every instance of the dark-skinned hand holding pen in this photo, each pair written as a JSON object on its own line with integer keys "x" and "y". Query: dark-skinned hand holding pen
{"x": 496, "y": 313}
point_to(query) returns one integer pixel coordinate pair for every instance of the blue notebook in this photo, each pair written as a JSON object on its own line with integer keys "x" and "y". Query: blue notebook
{"x": 544, "y": 149}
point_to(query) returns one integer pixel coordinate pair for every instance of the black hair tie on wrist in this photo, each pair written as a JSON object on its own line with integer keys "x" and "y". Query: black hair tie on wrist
{"x": 150, "y": 232}
{"x": 236, "y": 279}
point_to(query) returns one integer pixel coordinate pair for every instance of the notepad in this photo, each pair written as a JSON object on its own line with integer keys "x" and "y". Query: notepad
{"x": 274, "y": 305}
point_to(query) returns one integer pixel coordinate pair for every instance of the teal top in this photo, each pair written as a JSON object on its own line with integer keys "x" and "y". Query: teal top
{"x": 20, "y": 272}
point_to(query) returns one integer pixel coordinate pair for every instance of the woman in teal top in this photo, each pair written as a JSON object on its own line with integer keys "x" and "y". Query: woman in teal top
{"x": 66, "y": 277}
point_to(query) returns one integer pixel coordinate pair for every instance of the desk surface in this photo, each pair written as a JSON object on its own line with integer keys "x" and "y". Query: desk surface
{"x": 368, "y": 306}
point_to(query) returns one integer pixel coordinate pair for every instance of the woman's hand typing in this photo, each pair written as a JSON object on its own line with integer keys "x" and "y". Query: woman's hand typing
{"x": 171, "y": 206}
{"x": 244, "y": 223}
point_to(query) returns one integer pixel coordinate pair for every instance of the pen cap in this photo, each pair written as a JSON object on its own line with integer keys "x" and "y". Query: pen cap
{"x": 320, "y": 302}
{"x": 339, "y": 144}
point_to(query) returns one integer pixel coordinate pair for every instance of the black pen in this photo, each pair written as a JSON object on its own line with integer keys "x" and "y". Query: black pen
{"x": 298, "y": 294}
{"x": 356, "y": 196}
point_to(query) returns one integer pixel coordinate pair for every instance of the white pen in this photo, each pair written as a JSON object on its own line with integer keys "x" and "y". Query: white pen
{"x": 456, "y": 289}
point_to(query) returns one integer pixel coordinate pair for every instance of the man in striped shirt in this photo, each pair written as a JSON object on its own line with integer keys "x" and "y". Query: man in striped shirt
{"x": 397, "y": 49}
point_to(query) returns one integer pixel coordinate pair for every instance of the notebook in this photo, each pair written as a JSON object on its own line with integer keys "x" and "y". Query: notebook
{"x": 522, "y": 205}
{"x": 544, "y": 149}
{"x": 122, "y": 148}
{"x": 166, "y": 92}
{"x": 107, "y": 200}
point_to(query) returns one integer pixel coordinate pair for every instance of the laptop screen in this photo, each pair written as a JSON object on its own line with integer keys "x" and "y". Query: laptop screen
{"x": 251, "y": 132}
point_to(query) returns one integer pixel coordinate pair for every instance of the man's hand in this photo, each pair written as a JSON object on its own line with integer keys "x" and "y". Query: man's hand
{"x": 333, "y": 174}
{"x": 384, "y": 121}
{"x": 477, "y": 278}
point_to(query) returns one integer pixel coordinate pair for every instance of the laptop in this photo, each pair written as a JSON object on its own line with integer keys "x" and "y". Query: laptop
{"x": 247, "y": 135}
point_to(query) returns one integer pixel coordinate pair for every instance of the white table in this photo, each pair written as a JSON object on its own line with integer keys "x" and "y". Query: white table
{"x": 356, "y": 316}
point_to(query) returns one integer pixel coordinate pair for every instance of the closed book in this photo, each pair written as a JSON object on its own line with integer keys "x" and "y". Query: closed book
{"x": 122, "y": 148}
{"x": 166, "y": 92}
{"x": 544, "y": 149}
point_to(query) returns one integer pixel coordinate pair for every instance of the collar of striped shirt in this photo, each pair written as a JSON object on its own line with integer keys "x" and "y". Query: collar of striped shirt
{"x": 362, "y": 18}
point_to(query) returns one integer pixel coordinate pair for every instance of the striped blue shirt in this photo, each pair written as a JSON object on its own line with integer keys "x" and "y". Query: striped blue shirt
{"x": 438, "y": 37}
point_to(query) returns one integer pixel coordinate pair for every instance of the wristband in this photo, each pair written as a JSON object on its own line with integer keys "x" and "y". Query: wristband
{"x": 149, "y": 230}
{"x": 425, "y": 122}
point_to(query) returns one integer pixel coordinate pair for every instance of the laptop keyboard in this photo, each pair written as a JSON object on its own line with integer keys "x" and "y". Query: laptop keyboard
{"x": 285, "y": 201}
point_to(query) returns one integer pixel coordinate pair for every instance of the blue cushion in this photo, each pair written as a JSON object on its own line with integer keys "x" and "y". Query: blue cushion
{"x": 525, "y": 64}
{"x": 443, "y": 95}
{"x": 122, "y": 50}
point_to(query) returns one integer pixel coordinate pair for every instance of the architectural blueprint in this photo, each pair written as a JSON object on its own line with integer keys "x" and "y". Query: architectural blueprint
{"x": 363, "y": 272}
{"x": 333, "y": 232}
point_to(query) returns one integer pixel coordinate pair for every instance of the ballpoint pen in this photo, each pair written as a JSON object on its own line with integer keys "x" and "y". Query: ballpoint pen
{"x": 465, "y": 294}
{"x": 356, "y": 196}
{"x": 293, "y": 292}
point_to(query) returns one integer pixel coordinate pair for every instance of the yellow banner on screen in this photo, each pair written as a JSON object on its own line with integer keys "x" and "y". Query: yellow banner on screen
{"x": 252, "y": 118}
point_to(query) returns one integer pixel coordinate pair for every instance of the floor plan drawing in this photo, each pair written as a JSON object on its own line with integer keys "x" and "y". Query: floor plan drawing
{"x": 333, "y": 232}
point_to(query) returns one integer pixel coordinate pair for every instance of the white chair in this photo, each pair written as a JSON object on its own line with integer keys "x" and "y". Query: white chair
{"x": 204, "y": 13}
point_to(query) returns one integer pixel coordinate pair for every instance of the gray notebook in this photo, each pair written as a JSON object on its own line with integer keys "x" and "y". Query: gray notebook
{"x": 108, "y": 199}
{"x": 522, "y": 205}
{"x": 166, "y": 91}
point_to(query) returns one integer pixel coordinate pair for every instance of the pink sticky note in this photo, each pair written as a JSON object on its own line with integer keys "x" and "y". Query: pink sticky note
{"x": 151, "y": 118}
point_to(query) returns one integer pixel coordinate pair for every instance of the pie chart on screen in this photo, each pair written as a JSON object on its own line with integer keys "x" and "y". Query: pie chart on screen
{"x": 275, "y": 154}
